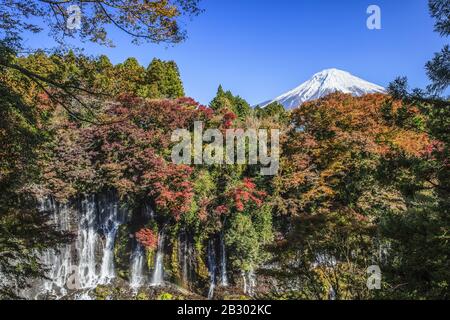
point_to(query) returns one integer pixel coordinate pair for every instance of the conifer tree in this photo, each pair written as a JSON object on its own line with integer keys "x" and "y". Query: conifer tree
{"x": 438, "y": 69}
{"x": 163, "y": 80}
{"x": 225, "y": 100}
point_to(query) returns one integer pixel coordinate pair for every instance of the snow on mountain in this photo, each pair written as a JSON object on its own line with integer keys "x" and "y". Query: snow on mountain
{"x": 324, "y": 83}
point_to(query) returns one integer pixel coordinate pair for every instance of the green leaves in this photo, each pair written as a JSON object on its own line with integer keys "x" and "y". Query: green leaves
{"x": 162, "y": 80}
{"x": 226, "y": 101}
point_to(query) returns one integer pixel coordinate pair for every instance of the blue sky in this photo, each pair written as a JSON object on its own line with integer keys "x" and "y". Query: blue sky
{"x": 262, "y": 48}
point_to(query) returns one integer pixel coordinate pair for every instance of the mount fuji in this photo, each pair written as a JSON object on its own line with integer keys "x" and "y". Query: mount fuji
{"x": 322, "y": 84}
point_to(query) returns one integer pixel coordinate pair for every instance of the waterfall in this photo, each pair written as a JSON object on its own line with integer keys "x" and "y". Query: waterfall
{"x": 58, "y": 261}
{"x": 185, "y": 260}
{"x": 109, "y": 226}
{"x": 99, "y": 215}
{"x": 137, "y": 278}
{"x": 86, "y": 244}
{"x": 76, "y": 266}
{"x": 244, "y": 279}
{"x": 223, "y": 263}
{"x": 185, "y": 256}
{"x": 331, "y": 294}
{"x": 148, "y": 212}
{"x": 96, "y": 220}
{"x": 158, "y": 272}
{"x": 211, "y": 268}
{"x": 249, "y": 279}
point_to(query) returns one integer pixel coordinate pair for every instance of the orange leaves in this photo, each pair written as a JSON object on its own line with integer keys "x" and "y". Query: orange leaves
{"x": 434, "y": 146}
{"x": 410, "y": 142}
{"x": 245, "y": 193}
{"x": 147, "y": 238}
{"x": 221, "y": 210}
{"x": 338, "y": 141}
{"x": 239, "y": 198}
{"x": 357, "y": 123}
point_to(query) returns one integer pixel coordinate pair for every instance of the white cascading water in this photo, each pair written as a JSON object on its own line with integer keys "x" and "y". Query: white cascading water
{"x": 211, "y": 268}
{"x": 86, "y": 244}
{"x": 84, "y": 272}
{"x": 90, "y": 259}
{"x": 223, "y": 263}
{"x": 109, "y": 226}
{"x": 331, "y": 294}
{"x": 249, "y": 279}
{"x": 58, "y": 261}
{"x": 185, "y": 261}
{"x": 158, "y": 272}
{"x": 137, "y": 278}
{"x": 148, "y": 212}
{"x": 138, "y": 256}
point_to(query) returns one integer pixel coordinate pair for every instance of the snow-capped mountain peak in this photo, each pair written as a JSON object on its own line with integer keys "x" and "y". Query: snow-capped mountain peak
{"x": 324, "y": 83}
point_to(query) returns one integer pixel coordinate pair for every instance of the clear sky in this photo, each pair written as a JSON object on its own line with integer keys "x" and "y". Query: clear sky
{"x": 262, "y": 48}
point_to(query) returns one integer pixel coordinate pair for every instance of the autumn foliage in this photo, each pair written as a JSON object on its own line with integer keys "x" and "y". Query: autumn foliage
{"x": 244, "y": 194}
{"x": 228, "y": 119}
{"x": 147, "y": 238}
{"x": 129, "y": 152}
{"x": 335, "y": 137}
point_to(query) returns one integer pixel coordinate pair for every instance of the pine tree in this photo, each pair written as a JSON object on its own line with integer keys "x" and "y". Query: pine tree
{"x": 438, "y": 69}
{"x": 131, "y": 75}
{"x": 174, "y": 84}
{"x": 225, "y": 100}
{"x": 163, "y": 80}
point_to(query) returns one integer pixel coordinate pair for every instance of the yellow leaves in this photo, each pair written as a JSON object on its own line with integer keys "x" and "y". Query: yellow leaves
{"x": 296, "y": 178}
{"x": 381, "y": 196}
{"x": 343, "y": 121}
{"x": 340, "y": 141}
{"x": 163, "y": 8}
{"x": 318, "y": 193}
{"x": 412, "y": 143}
{"x": 335, "y": 168}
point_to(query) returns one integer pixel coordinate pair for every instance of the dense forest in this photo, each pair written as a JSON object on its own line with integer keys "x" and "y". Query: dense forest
{"x": 87, "y": 180}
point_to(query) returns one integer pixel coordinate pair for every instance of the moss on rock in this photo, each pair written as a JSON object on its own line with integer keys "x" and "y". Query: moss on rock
{"x": 102, "y": 293}
{"x": 150, "y": 254}
{"x": 122, "y": 252}
{"x": 165, "y": 296}
{"x": 175, "y": 262}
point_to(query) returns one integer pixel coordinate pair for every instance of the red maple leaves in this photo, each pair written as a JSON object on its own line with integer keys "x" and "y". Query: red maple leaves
{"x": 228, "y": 119}
{"x": 147, "y": 238}
{"x": 171, "y": 188}
{"x": 246, "y": 193}
{"x": 242, "y": 195}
